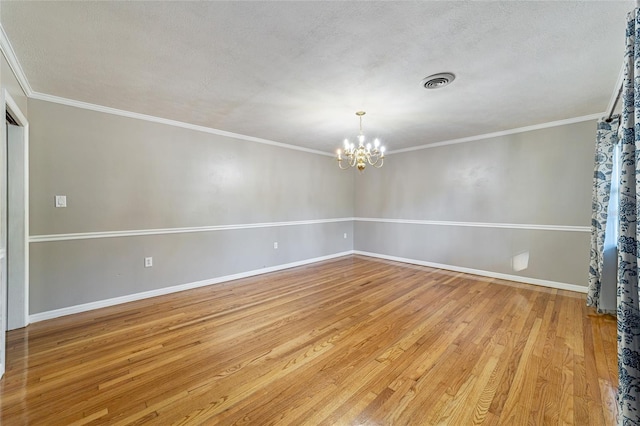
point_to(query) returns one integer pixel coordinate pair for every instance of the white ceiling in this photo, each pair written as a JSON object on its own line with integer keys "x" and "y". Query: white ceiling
{"x": 296, "y": 72}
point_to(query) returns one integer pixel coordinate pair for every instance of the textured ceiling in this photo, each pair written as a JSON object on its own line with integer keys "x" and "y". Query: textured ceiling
{"x": 296, "y": 72}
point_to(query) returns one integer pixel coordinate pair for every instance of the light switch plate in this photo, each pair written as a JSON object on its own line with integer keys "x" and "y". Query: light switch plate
{"x": 61, "y": 201}
{"x": 148, "y": 262}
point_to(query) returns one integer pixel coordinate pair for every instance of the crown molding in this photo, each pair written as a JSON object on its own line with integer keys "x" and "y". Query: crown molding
{"x": 210, "y": 130}
{"x": 503, "y": 133}
{"x": 14, "y": 64}
{"x": 168, "y": 122}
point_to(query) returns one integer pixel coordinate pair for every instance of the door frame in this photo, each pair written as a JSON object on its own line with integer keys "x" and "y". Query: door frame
{"x": 22, "y": 310}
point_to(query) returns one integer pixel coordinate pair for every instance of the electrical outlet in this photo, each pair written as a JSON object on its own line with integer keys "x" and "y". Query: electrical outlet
{"x": 61, "y": 201}
{"x": 345, "y": 235}
{"x": 148, "y": 262}
{"x": 275, "y": 245}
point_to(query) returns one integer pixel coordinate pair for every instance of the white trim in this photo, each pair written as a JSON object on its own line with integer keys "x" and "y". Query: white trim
{"x": 168, "y": 122}
{"x": 4, "y": 290}
{"x": 139, "y": 232}
{"x": 12, "y": 106}
{"x": 135, "y": 115}
{"x": 42, "y": 316}
{"x": 567, "y": 228}
{"x": 173, "y": 289}
{"x": 16, "y": 113}
{"x": 503, "y": 133}
{"x": 163, "y": 231}
{"x": 14, "y": 64}
{"x": 26, "y": 222}
{"x": 490, "y": 274}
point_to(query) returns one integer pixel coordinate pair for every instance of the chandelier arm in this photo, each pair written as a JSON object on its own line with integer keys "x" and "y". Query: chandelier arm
{"x": 373, "y": 158}
{"x": 343, "y": 168}
{"x": 381, "y": 161}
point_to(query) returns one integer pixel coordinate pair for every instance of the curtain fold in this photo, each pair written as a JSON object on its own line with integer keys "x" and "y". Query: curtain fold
{"x": 606, "y": 139}
{"x": 628, "y": 310}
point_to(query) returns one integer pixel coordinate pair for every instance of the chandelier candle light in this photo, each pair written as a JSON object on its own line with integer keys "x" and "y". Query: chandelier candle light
{"x": 362, "y": 154}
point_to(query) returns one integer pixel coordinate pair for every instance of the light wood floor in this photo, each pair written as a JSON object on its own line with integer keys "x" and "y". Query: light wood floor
{"x": 343, "y": 342}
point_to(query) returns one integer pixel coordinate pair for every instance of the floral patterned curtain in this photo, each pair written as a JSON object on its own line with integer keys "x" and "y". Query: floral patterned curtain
{"x": 606, "y": 139}
{"x": 628, "y": 310}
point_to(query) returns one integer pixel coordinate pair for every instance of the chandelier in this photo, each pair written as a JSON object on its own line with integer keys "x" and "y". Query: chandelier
{"x": 362, "y": 154}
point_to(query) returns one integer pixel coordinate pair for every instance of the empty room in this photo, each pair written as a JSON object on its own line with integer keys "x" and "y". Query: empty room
{"x": 320, "y": 213}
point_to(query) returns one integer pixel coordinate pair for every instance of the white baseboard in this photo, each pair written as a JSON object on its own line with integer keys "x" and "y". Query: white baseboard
{"x": 41, "y": 316}
{"x": 490, "y": 274}
{"x": 173, "y": 289}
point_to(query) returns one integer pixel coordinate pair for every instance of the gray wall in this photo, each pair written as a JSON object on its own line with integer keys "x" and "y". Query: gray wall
{"x": 540, "y": 177}
{"x": 120, "y": 173}
{"x": 123, "y": 174}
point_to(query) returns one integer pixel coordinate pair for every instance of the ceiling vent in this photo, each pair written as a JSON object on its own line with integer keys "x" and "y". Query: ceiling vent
{"x": 437, "y": 81}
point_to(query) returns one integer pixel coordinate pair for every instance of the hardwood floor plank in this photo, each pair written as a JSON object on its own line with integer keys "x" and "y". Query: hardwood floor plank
{"x": 353, "y": 340}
